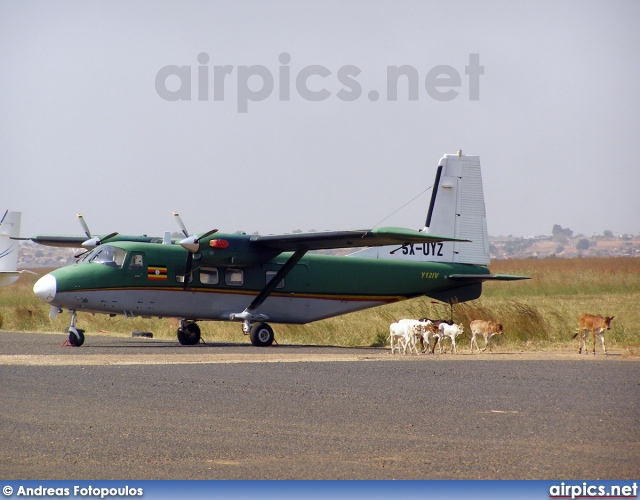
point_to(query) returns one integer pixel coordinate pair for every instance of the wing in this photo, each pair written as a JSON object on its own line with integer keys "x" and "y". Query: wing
{"x": 57, "y": 241}
{"x": 346, "y": 239}
{"x": 77, "y": 241}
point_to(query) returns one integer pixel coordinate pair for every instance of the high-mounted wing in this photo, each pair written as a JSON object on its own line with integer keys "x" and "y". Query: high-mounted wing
{"x": 57, "y": 240}
{"x": 82, "y": 241}
{"x": 347, "y": 239}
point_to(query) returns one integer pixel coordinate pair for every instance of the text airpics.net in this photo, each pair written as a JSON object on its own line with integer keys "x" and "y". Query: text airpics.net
{"x": 312, "y": 82}
{"x": 587, "y": 490}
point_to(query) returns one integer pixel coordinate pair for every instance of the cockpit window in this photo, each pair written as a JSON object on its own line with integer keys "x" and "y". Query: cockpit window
{"x": 108, "y": 255}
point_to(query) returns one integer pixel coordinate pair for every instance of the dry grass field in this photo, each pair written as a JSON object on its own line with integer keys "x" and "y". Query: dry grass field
{"x": 537, "y": 314}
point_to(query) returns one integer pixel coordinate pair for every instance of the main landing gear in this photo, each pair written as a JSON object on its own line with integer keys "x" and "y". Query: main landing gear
{"x": 188, "y": 332}
{"x": 261, "y": 334}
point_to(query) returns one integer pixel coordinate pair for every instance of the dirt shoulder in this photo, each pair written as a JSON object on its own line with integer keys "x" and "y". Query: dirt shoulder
{"x": 31, "y": 349}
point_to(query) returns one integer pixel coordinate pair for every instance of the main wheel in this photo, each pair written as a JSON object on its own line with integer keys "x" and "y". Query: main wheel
{"x": 76, "y": 336}
{"x": 190, "y": 334}
{"x": 261, "y": 335}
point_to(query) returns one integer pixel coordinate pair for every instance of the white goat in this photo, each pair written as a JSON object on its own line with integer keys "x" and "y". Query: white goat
{"x": 404, "y": 332}
{"x": 451, "y": 331}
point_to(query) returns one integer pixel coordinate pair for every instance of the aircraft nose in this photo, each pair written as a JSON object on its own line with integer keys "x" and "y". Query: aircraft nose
{"x": 45, "y": 288}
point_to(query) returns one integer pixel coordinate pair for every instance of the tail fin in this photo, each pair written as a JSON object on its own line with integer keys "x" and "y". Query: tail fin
{"x": 9, "y": 228}
{"x": 456, "y": 210}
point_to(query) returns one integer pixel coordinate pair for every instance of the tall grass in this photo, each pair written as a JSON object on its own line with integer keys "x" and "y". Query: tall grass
{"x": 540, "y": 313}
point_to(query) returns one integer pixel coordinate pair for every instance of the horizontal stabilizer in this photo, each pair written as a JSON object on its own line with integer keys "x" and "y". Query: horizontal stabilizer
{"x": 486, "y": 277}
{"x": 347, "y": 239}
{"x": 16, "y": 273}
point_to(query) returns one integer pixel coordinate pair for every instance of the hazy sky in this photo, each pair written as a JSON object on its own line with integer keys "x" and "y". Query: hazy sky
{"x": 307, "y": 134}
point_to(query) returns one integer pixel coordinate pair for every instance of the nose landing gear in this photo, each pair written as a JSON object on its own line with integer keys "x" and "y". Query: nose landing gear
{"x": 76, "y": 335}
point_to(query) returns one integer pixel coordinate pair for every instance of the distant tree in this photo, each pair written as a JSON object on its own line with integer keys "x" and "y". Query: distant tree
{"x": 583, "y": 244}
{"x": 608, "y": 233}
{"x": 561, "y": 234}
{"x": 559, "y": 249}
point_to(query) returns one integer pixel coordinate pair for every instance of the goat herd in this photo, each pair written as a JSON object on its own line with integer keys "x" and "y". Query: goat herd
{"x": 406, "y": 333}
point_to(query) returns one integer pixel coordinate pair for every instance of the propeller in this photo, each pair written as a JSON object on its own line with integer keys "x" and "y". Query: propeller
{"x": 91, "y": 243}
{"x": 94, "y": 242}
{"x": 192, "y": 244}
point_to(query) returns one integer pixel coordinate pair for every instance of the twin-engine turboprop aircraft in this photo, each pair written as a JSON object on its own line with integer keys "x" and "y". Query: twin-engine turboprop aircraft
{"x": 255, "y": 279}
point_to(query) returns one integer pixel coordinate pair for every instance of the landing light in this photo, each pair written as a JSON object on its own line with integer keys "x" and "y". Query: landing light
{"x": 219, "y": 244}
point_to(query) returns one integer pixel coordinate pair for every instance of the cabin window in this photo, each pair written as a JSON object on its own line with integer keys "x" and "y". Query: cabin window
{"x": 109, "y": 256}
{"x": 209, "y": 276}
{"x": 180, "y": 272}
{"x": 234, "y": 277}
{"x": 137, "y": 262}
{"x": 270, "y": 276}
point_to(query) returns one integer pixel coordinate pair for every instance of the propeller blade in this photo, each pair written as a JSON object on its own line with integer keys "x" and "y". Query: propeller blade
{"x": 181, "y": 224}
{"x": 84, "y": 226}
{"x": 109, "y": 236}
{"x": 208, "y": 233}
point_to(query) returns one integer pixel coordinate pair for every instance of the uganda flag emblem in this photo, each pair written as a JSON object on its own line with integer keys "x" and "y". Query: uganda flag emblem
{"x": 157, "y": 273}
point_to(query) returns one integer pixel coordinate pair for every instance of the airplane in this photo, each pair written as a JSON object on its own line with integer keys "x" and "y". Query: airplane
{"x": 253, "y": 279}
{"x": 9, "y": 230}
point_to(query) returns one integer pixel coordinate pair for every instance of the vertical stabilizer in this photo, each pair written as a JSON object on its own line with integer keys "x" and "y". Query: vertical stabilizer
{"x": 456, "y": 210}
{"x": 9, "y": 227}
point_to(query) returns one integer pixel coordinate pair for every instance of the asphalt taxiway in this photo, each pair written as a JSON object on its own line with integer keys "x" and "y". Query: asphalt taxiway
{"x": 133, "y": 408}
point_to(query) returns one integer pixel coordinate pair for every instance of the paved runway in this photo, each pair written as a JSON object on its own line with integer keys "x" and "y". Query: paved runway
{"x": 125, "y": 408}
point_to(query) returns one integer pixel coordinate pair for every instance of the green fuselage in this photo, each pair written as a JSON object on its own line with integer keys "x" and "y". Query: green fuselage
{"x": 148, "y": 280}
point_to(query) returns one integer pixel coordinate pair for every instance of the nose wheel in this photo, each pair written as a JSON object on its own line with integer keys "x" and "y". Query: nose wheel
{"x": 76, "y": 335}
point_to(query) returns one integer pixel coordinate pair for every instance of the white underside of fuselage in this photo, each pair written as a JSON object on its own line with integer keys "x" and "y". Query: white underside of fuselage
{"x": 195, "y": 305}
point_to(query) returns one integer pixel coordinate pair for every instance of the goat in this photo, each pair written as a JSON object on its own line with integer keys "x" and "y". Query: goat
{"x": 436, "y": 333}
{"x": 597, "y": 326}
{"x": 488, "y": 329}
{"x": 403, "y": 333}
{"x": 451, "y": 331}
